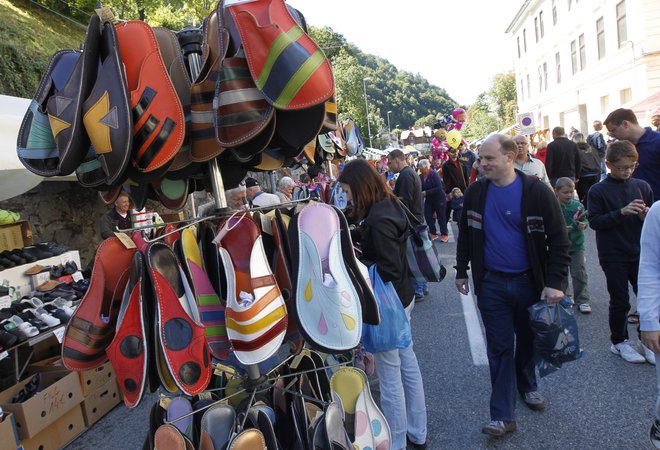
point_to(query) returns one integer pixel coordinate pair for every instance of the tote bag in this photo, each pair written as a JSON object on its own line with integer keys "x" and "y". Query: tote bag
{"x": 394, "y": 329}
{"x": 423, "y": 260}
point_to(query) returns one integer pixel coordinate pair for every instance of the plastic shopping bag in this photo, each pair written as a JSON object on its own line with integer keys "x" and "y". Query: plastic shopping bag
{"x": 394, "y": 329}
{"x": 556, "y": 338}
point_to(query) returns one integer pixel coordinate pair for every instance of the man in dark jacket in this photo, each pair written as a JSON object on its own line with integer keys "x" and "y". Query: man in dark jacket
{"x": 454, "y": 175}
{"x": 512, "y": 231}
{"x": 597, "y": 141}
{"x": 562, "y": 159}
{"x": 116, "y": 217}
{"x": 408, "y": 188}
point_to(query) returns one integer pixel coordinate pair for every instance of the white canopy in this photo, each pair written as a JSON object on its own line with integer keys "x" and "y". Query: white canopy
{"x": 15, "y": 179}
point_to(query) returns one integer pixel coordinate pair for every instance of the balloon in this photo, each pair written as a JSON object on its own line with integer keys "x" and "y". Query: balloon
{"x": 454, "y": 138}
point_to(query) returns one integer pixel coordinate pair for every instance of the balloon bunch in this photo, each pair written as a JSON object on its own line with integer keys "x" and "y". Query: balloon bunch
{"x": 447, "y": 134}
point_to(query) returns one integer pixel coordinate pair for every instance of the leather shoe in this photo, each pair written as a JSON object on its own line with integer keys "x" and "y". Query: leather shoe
{"x": 534, "y": 400}
{"x": 415, "y": 445}
{"x": 499, "y": 428}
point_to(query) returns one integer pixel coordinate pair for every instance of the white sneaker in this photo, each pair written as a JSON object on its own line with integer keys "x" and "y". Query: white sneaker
{"x": 629, "y": 354}
{"x": 646, "y": 353}
{"x": 655, "y": 434}
{"x": 585, "y": 308}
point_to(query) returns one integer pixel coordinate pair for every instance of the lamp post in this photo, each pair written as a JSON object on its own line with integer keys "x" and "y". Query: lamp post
{"x": 389, "y": 128}
{"x": 366, "y": 107}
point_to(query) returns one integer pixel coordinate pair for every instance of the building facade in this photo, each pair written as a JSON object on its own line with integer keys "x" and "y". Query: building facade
{"x": 578, "y": 60}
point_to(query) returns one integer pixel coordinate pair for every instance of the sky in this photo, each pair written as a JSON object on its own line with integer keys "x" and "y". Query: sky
{"x": 458, "y": 46}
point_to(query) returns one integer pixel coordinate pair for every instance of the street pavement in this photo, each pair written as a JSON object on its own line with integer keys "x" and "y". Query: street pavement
{"x": 598, "y": 402}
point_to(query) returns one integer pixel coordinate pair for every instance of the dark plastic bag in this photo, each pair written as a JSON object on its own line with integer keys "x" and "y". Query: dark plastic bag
{"x": 394, "y": 329}
{"x": 556, "y": 339}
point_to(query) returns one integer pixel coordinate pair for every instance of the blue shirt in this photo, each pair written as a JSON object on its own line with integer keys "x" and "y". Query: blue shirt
{"x": 505, "y": 249}
{"x": 648, "y": 148}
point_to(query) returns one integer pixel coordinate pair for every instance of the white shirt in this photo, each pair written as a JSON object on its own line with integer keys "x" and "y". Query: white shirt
{"x": 535, "y": 168}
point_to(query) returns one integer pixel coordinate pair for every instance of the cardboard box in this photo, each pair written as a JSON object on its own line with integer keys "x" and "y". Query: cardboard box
{"x": 45, "y": 348}
{"x": 101, "y": 402}
{"x": 15, "y": 235}
{"x": 92, "y": 380}
{"x": 8, "y": 433}
{"x": 58, "y": 434}
{"x": 60, "y": 393}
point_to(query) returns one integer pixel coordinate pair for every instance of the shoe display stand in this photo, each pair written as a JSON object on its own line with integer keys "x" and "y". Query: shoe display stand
{"x": 25, "y": 284}
{"x": 23, "y": 353}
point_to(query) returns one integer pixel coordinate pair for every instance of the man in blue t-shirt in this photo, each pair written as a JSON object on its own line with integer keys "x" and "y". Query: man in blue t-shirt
{"x": 622, "y": 124}
{"x": 518, "y": 247}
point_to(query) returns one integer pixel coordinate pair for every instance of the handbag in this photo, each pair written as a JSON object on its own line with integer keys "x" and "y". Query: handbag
{"x": 423, "y": 259}
{"x": 393, "y": 331}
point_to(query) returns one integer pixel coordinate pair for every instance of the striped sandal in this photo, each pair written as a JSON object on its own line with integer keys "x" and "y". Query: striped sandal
{"x": 256, "y": 316}
{"x": 211, "y": 309}
{"x": 286, "y": 64}
{"x": 92, "y": 327}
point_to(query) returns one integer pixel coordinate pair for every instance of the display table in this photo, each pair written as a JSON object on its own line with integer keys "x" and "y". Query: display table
{"x": 25, "y": 284}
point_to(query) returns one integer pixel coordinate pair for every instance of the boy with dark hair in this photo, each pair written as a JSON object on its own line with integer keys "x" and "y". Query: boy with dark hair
{"x": 617, "y": 208}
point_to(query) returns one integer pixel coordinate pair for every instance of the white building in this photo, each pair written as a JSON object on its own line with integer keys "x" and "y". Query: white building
{"x": 578, "y": 60}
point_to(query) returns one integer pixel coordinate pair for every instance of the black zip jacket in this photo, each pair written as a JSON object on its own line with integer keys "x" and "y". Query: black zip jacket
{"x": 547, "y": 241}
{"x": 617, "y": 236}
{"x": 383, "y": 242}
{"x": 408, "y": 188}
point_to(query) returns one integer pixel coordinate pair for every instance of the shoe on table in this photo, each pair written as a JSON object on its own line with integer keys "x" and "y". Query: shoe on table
{"x": 444, "y": 238}
{"x": 584, "y": 308}
{"x": 655, "y": 434}
{"x": 534, "y": 400}
{"x": 499, "y": 427}
{"x": 414, "y": 445}
{"x": 625, "y": 351}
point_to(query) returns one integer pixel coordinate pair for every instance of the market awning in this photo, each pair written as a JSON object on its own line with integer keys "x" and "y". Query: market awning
{"x": 647, "y": 107}
{"x": 15, "y": 179}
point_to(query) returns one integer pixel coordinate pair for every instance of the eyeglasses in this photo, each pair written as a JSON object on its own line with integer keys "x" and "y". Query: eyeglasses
{"x": 626, "y": 168}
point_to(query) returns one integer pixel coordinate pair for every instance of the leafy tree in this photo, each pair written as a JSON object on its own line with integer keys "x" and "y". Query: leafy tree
{"x": 494, "y": 109}
{"x": 426, "y": 121}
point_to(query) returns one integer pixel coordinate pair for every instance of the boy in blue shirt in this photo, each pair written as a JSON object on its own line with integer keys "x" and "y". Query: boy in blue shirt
{"x": 617, "y": 208}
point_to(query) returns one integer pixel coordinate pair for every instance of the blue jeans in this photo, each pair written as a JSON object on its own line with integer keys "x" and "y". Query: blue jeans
{"x": 503, "y": 304}
{"x": 401, "y": 384}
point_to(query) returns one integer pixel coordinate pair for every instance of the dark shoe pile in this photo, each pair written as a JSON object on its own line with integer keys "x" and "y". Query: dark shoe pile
{"x": 26, "y": 255}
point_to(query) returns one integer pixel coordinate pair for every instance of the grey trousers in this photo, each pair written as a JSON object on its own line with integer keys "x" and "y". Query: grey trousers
{"x": 578, "y": 277}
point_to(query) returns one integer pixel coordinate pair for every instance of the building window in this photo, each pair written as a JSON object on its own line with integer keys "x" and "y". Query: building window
{"x": 621, "y": 27}
{"x": 536, "y": 28}
{"x": 573, "y": 58}
{"x": 626, "y": 95}
{"x": 600, "y": 36}
{"x": 558, "y": 65}
{"x": 522, "y": 90}
{"x": 605, "y": 104}
{"x": 569, "y": 4}
{"x": 525, "y": 40}
{"x": 554, "y": 13}
{"x": 545, "y": 76}
{"x": 529, "y": 87}
{"x": 541, "y": 23}
{"x": 540, "y": 73}
{"x": 518, "y": 42}
{"x": 583, "y": 52}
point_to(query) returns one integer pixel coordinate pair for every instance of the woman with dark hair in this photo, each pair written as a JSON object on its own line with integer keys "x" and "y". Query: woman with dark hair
{"x": 382, "y": 234}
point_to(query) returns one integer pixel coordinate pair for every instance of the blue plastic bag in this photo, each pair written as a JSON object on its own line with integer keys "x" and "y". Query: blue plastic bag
{"x": 556, "y": 339}
{"x": 394, "y": 329}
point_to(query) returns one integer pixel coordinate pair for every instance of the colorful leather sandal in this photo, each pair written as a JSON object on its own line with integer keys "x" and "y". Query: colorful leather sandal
{"x": 298, "y": 127}
{"x": 92, "y": 326}
{"x": 204, "y": 145}
{"x": 365, "y": 422}
{"x": 172, "y": 194}
{"x": 211, "y": 258}
{"x": 330, "y": 122}
{"x": 159, "y": 123}
{"x": 180, "y": 331}
{"x": 211, "y": 309}
{"x": 250, "y": 439}
{"x": 286, "y": 64}
{"x": 242, "y": 113}
{"x": 36, "y": 145}
{"x": 327, "y": 303}
{"x": 107, "y": 118}
{"x": 256, "y": 317}
{"x": 176, "y": 410}
{"x": 217, "y": 427}
{"x": 128, "y": 351}
{"x": 262, "y": 418}
{"x": 64, "y": 106}
{"x": 168, "y": 437}
{"x": 330, "y": 433}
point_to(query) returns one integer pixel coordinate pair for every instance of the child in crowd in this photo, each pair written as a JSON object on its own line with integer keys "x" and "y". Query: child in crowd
{"x": 456, "y": 198}
{"x": 617, "y": 209}
{"x": 575, "y": 216}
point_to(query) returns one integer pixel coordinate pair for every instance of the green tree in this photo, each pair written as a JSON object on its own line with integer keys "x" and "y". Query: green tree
{"x": 426, "y": 121}
{"x": 502, "y": 94}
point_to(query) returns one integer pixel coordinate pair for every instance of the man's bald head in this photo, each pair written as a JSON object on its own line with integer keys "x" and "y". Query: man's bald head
{"x": 502, "y": 142}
